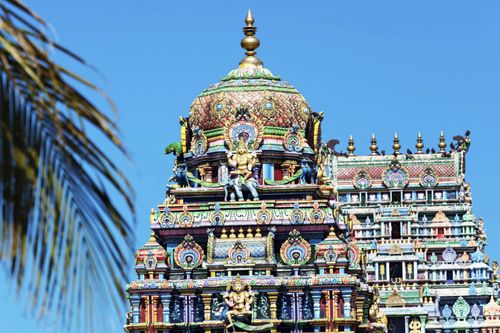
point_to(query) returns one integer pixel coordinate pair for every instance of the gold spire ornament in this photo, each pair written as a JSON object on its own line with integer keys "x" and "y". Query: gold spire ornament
{"x": 350, "y": 147}
{"x": 396, "y": 146}
{"x": 250, "y": 43}
{"x": 420, "y": 144}
{"x": 442, "y": 143}
{"x": 373, "y": 146}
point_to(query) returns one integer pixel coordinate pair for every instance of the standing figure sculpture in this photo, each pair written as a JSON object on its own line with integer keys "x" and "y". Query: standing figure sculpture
{"x": 377, "y": 317}
{"x": 241, "y": 177}
{"x": 238, "y": 299}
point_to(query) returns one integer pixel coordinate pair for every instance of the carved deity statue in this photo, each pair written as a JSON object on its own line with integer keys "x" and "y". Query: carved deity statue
{"x": 241, "y": 177}
{"x": 480, "y": 229}
{"x": 379, "y": 320}
{"x": 242, "y": 161}
{"x": 323, "y": 157}
{"x": 239, "y": 298}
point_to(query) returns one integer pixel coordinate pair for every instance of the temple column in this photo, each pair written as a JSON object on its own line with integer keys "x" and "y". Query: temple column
{"x": 154, "y": 301}
{"x": 148, "y": 310}
{"x": 285, "y": 169}
{"x": 273, "y": 297}
{"x": 135, "y": 300}
{"x": 206, "y": 305}
{"x": 360, "y": 305}
{"x": 207, "y": 170}
{"x": 316, "y": 296}
{"x": 327, "y": 307}
{"x": 406, "y": 324}
{"x": 346, "y": 295}
{"x": 268, "y": 171}
{"x": 165, "y": 301}
{"x": 335, "y": 303}
{"x": 223, "y": 173}
{"x": 423, "y": 320}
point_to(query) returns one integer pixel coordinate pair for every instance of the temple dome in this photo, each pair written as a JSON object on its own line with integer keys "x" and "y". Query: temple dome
{"x": 253, "y": 89}
{"x": 273, "y": 101}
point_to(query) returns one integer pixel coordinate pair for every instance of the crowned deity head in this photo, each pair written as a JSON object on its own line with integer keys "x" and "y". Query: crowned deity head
{"x": 242, "y": 145}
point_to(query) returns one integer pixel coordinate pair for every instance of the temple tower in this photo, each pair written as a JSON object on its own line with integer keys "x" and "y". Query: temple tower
{"x": 266, "y": 228}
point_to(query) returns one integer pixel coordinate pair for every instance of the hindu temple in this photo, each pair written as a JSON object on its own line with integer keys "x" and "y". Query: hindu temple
{"x": 267, "y": 227}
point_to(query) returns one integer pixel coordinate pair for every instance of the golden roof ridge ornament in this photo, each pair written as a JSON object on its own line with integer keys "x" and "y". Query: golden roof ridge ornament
{"x": 250, "y": 43}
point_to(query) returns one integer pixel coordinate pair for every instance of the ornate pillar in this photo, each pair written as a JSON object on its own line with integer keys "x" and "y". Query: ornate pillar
{"x": 316, "y": 295}
{"x": 206, "y": 305}
{"x": 223, "y": 172}
{"x": 207, "y": 170}
{"x": 406, "y": 324}
{"x": 347, "y": 295}
{"x": 285, "y": 169}
{"x": 335, "y": 303}
{"x": 154, "y": 301}
{"x": 268, "y": 171}
{"x": 148, "y": 309}
{"x": 360, "y": 308}
{"x": 135, "y": 300}
{"x": 165, "y": 301}
{"x": 273, "y": 297}
{"x": 423, "y": 320}
{"x": 327, "y": 307}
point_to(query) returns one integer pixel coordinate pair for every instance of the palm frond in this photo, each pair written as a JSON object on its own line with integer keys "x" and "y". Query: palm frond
{"x": 63, "y": 240}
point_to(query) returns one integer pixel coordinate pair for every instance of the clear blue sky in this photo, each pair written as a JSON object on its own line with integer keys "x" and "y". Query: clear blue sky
{"x": 371, "y": 66}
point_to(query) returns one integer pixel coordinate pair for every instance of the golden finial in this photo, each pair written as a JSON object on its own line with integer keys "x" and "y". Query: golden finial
{"x": 240, "y": 233}
{"x": 331, "y": 234}
{"x": 152, "y": 237}
{"x": 231, "y": 233}
{"x": 250, "y": 43}
{"x": 396, "y": 146}
{"x": 249, "y": 233}
{"x": 420, "y": 143}
{"x": 224, "y": 233}
{"x": 442, "y": 143}
{"x": 350, "y": 146}
{"x": 373, "y": 146}
{"x": 257, "y": 233}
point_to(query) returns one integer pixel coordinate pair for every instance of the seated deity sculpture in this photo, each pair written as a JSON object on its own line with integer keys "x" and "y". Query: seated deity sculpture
{"x": 241, "y": 178}
{"x": 239, "y": 298}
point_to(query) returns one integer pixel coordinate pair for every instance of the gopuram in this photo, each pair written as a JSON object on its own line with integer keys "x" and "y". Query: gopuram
{"x": 267, "y": 228}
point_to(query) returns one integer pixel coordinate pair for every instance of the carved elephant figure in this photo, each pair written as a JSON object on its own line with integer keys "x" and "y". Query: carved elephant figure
{"x": 180, "y": 175}
{"x": 234, "y": 189}
{"x": 307, "y": 175}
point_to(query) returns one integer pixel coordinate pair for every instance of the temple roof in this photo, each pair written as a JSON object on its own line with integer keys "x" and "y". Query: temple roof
{"x": 253, "y": 88}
